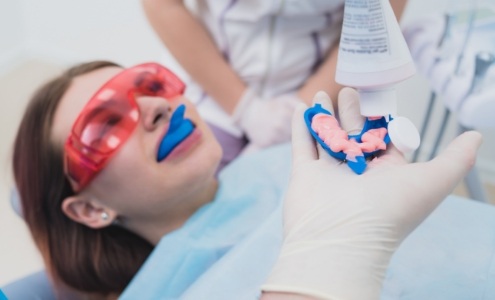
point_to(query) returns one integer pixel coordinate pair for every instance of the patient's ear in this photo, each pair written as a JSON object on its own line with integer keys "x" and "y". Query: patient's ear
{"x": 86, "y": 210}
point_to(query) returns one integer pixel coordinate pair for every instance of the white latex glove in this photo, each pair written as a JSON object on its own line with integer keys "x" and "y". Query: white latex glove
{"x": 340, "y": 228}
{"x": 265, "y": 121}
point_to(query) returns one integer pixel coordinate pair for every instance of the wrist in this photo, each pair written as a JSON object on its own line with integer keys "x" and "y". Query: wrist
{"x": 344, "y": 268}
{"x": 243, "y": 104}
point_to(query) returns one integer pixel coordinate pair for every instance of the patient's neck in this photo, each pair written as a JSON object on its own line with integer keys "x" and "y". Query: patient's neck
{"x": 154, "y": 228}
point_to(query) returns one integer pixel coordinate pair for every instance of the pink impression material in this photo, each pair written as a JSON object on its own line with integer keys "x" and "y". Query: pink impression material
{"x": 328, "y": 129}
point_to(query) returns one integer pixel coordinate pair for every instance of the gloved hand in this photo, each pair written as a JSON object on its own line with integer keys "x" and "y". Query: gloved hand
{"x": 340, "y": 228}
{"x": 265, "y": 121}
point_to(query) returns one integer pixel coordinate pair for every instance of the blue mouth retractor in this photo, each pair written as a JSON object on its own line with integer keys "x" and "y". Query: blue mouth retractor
{"x": 179, "y": 129}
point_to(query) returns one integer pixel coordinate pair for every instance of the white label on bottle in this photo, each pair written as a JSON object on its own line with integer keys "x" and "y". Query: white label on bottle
{"x": 364, "y": 31}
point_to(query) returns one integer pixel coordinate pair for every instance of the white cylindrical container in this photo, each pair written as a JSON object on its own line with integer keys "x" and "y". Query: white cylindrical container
{"x": 373, "y": 55}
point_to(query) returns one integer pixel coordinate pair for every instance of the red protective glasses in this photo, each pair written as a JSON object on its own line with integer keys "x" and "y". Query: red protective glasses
{"x": 110, "y": 117}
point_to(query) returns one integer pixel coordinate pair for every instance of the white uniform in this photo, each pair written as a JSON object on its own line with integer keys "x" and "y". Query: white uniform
{"x": 272, "y": 45}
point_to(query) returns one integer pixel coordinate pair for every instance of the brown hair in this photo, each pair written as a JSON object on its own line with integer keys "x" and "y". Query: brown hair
{"x": 101, "y": 261}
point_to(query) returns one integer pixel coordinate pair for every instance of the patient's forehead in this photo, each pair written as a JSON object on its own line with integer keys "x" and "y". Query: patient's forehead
{"x": 75, "y": 98}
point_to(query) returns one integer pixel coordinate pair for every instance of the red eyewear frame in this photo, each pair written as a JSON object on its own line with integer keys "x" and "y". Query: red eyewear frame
{"x": 110, "y": 117}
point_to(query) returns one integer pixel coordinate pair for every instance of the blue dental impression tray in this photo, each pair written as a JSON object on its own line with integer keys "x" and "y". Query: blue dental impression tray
{"x": 178, "y": 130}
{"x": 359, "y": 165}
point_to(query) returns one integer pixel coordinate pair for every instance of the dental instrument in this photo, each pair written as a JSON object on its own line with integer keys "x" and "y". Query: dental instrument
{"x": 445, "y": 35}
{"x": 442, "y": 77}
{"x": 459, "y": 60}
{"x": 476, "y": 111}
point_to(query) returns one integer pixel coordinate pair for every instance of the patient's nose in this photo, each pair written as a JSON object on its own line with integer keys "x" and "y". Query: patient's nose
{"x": 155, "y": 111}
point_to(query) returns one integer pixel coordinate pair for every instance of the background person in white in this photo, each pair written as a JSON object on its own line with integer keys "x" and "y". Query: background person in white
{"x": 251, "y": 61}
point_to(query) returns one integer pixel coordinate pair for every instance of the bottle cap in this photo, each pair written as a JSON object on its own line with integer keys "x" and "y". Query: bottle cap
{"x": 403, "y": 134}
{"x": 376, "y": 103}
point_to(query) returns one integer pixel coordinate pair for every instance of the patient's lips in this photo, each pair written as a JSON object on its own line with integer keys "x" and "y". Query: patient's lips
{"x": 186, "y": 145}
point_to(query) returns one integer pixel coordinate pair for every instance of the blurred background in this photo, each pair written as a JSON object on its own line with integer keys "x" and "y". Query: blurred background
{"x": 40, "y": 38}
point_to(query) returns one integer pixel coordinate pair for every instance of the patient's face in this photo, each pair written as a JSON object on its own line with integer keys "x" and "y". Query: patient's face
{"x": 134, "y": 183}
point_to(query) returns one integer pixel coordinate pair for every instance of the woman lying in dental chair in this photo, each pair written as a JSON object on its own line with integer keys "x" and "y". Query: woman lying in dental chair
{"x": 116, "y": 176}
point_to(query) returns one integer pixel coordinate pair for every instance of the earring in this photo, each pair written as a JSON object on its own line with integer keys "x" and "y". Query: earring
{"x": 104, "y": 216}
